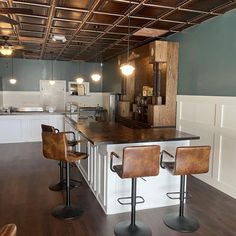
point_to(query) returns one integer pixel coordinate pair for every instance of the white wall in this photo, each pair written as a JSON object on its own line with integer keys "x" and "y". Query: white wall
{"x": 214, "y": 120}
{"x": 1, "y": 99}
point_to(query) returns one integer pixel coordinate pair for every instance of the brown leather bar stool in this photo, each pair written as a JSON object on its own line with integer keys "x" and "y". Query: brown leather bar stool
{"x": 137, "y": 161}
{"x": 61, "y": 185}
{"x": 187, "y": 161}
{"x": 8, "y": 230}
{"x": 55, "y": 146}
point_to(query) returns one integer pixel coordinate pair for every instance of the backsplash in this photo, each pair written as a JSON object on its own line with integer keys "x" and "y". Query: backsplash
{"x": 30, "y": 99}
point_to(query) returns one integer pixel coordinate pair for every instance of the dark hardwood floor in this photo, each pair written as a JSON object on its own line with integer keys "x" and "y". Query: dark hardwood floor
{"x": 26, "y": 200}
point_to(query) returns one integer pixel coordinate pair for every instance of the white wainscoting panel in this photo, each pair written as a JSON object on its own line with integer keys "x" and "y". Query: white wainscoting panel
{"x": 214, "y": 120}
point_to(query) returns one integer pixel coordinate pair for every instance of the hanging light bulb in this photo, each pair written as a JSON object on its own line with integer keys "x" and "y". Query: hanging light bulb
{"x": 6, "y": 50}
{"x": 12, "y": 80}
{"x": 127, "y": 69}
{"x": 51, "y": 82}
{"x": 79, "y": 80}
{"x": 96, "y": 77}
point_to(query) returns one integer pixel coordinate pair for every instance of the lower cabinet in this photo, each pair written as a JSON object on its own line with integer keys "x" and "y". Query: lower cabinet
{"x": 26, "y": 128}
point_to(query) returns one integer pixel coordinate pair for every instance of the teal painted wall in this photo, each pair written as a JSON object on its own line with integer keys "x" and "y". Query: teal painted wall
{"x": 29, "y": 72}
{"x": 207, "y": 62}
{"x": 111, "y": 76}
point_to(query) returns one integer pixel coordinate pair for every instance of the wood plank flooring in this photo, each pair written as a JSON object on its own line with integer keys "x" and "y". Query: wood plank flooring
{"x": 26, "y": 200}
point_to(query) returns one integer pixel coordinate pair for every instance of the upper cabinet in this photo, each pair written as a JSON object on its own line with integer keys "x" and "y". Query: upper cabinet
{"x": 76, "y": 89}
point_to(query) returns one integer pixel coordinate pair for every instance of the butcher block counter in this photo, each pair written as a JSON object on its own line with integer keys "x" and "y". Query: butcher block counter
{"x": 115, "y": 133}
{"x": 103, "y": 138}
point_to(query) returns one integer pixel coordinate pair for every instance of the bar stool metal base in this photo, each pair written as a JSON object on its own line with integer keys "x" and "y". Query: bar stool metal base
{"x": 61, "y": 186}
{"x": 181, "y": 223}
{"x": 124, "y": 228}
{"x": 67, "y": 212}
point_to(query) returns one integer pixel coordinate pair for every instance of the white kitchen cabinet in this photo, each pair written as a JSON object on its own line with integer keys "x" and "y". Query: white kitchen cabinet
{"x": 26, "y": 128}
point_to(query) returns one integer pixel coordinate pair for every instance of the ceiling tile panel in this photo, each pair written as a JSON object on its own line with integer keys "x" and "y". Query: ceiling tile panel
{"x": 169, "y": 3}
{"x": 150, "y": 12}
{"x": 102, "y": 18}
{"x": 113, "y": 7}
{"x": 65, "y": 24}
{"x": 75, "y": 3}
{"x": 179, "y": 15}
{"x": 71, "y": 15}
{"x": 77, "y": 20}
{"x": 204, "y": 5}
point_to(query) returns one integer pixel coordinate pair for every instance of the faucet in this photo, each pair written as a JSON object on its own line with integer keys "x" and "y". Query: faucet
{"x": 9, "y": 110}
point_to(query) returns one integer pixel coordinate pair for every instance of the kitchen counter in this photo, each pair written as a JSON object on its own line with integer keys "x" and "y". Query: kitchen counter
{"x": 114, "y": 133}
{"x": 102, "y": 138}
{"x": 31, "y": 113}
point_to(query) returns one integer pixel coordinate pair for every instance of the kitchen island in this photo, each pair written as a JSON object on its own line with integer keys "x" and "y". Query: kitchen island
{"x": 102, "y": 138}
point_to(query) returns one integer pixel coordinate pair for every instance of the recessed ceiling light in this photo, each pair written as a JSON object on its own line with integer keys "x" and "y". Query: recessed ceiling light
{"x": 59, "y": 37}
{"x": 149, "y": 32}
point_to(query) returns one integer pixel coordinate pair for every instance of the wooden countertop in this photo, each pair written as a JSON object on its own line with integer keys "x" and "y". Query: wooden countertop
{"x": 114, "y": 133}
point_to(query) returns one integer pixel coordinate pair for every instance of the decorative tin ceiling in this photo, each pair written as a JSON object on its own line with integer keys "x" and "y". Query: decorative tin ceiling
{"x": 98, "y": 29}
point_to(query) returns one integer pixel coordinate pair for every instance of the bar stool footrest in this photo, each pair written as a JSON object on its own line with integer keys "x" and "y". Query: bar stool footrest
{"x": 186, "y": 195}
{"x": 120, "y": 200}
{"x": 124, "y": 228}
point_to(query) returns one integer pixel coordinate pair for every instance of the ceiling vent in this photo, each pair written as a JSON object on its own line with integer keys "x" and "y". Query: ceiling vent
{"x": 149, "y": 32}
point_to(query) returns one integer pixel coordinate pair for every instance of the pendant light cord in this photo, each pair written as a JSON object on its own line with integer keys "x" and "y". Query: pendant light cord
{"x": 128, "y": 38}
{"x": 51, "y": 67}
{"x": 12, "y": 67}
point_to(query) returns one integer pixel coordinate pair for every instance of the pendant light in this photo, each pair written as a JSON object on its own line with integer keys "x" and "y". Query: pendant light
{"x": 96, "y": 76}
{"x": 79, "y": 79}
{"x": 127, "y": 69}
{"x": 6, "y": 50}
{"x": 51, "y": 81}
{"x": 12, "y": 80}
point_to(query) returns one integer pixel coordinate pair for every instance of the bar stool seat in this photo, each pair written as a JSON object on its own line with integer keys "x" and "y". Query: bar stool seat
{"x": 8, "y": 230}
{"x": 137, "y": 161}
{"x": 187, "y": 160}
{"x": 55, "y": 146}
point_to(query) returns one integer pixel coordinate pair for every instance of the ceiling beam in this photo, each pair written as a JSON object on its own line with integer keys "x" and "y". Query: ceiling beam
{"x": 15, "y": 27}
{"x": 49, "y": 24}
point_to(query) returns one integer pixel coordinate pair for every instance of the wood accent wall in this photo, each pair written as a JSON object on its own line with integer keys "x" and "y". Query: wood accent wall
{"x": 162, "y": 110}
{"x": 165, "y": 114}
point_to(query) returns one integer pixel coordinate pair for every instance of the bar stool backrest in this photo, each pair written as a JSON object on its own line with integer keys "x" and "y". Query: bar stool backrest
{"x": 140, "y": 161}
{"x": 54, "y": 146}
{"x": 192, "y": 160}
{"x": 48, "y": 128}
